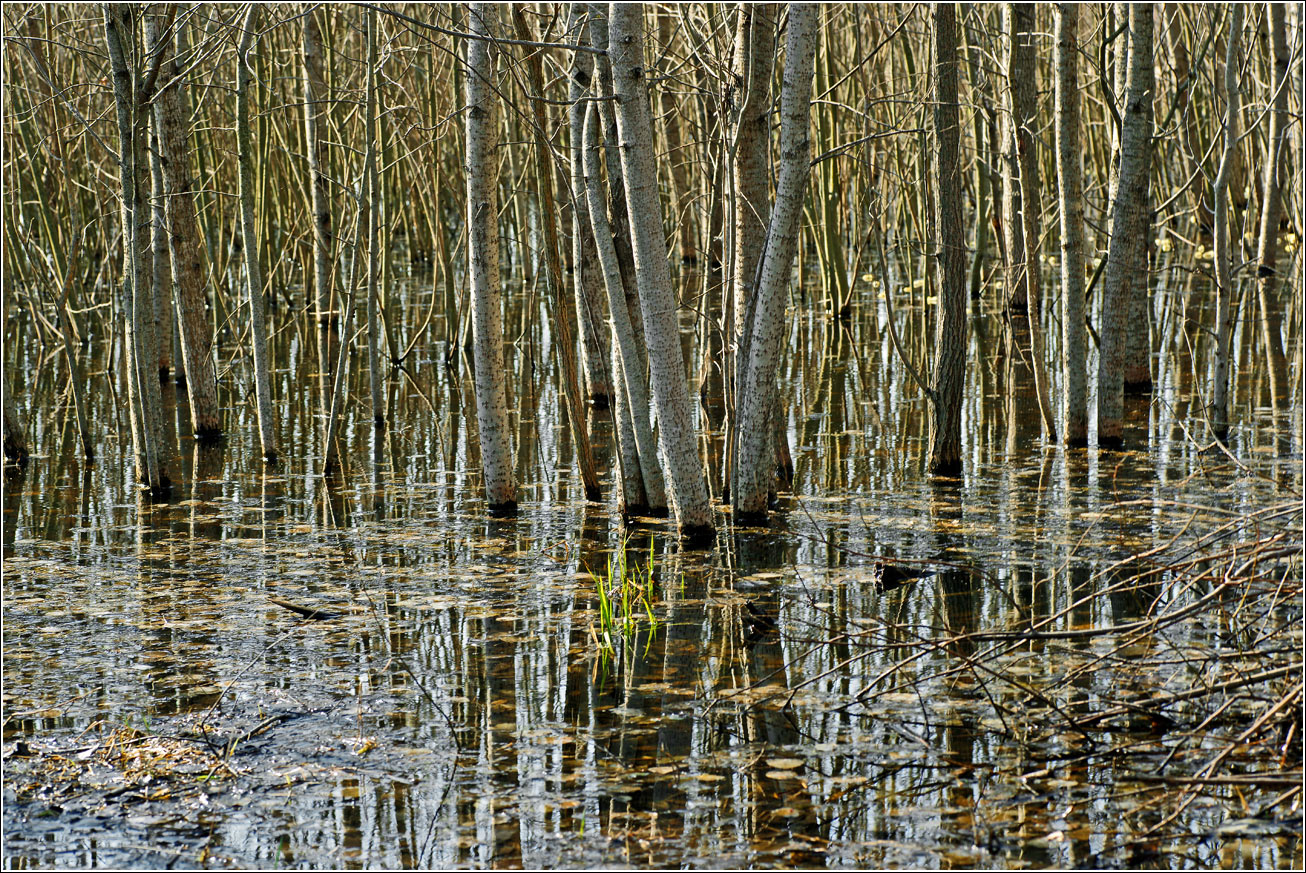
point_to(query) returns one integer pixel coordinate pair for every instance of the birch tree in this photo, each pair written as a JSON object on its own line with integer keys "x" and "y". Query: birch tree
{"x": 483, "y": 264}
{"x": 249, "y": 239}
{"x": 764, "y": 323}
{"x": 1125, "y": 222}
{"x": 687, "y": 485}
{"x": 1272, "y": 188}
{"x": 1070, "y": 182}
{"x": 1224, "y": 287}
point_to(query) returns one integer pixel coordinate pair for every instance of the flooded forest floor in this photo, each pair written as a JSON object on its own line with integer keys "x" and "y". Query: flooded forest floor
{"x": 1065, "y": 658}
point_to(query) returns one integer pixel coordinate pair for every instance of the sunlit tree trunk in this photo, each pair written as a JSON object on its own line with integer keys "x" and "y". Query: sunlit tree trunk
{"x": 1125, "y": 223}
{"x": 764, "y": 313}
{"x": 753, "y": 63}
{"x": 1224, "y": 287}
{"x": 144, "y": 398}
{"x": 687, "y": 485}
{"x": 1138, "y": 345}
{"x": 315, "y": 95}
{"x": 1025, "y": 273}
{"x": 591, "y": 303}
{"x": 376, "y": 383}
{"x": 634, "y": 390}
{"x": 950, "y": 249}
{"x": 185, "y": 249}
{"x": 1015, "y": 17}
{"x": 249, "y": 240}
{"x": 483, "y": 264}
{"x": 1070, "y": 178}
{"x": 161, "y": 269}
{"x": 1275, "y": 170}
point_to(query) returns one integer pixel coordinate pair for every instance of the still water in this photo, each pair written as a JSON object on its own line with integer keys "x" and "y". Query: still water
{"x": 771, "y": 701}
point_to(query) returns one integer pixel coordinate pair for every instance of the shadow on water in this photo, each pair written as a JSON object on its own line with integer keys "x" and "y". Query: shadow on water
{"x": 888, "y": 674}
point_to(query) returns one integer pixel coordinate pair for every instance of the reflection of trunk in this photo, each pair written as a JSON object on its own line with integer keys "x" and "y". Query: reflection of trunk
{"x": 1275, "y": 169}
{"x": 634, "y": 391}
{"x": 1223, "y": 254}
{"x": 764, "y": 322}
{"x": 172, "y": 116}
{"x": 1070, "y": 175}
{"x": 950, "y": 249}
{"x": 249, "y": 240}
{"x": 1125, "y": 224}
{"x": 144, "y": 398}
{"x": 687, "y": 485}
{"x": 483, "y": 266}
{"x": 590, "y": 308}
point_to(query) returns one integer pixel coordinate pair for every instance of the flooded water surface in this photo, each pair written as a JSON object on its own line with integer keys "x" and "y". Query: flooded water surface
{"x": 1034, "y": 665}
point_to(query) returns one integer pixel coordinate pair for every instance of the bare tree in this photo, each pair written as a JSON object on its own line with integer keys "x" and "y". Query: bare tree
{"x": 1070, "y": 176}
{"x": 764, "y": 322}
{"x": 950, "y": 250}
{"x": 483, "y": 264}
{"x": 1125, "y": 222}
{"x": 1223, "y": 244}
{"x": 687, "y": 485}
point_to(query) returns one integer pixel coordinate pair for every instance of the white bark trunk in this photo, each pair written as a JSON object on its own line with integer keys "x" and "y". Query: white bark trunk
{"x": 686, "y": 481}
{"x": 483, "y": 265}
{"x": 1070, "y": 176}
{"x": 1223, "y": 245}
{"x": 764, "y": 316}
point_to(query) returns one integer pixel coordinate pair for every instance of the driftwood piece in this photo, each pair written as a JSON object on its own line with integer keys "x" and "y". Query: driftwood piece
{"x": 305, "y": 611}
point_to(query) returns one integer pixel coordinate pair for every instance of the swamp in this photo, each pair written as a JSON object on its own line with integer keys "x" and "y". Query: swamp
{"x": 652, "y": 435}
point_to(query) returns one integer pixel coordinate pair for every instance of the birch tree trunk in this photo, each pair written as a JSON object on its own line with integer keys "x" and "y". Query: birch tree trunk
{"x": 753, "y": 64}
{"x": 1015, "y": 16}
{"x": 1223, "y": 244}
{"x": 634, "y": 390}
{"x": 1070, "y": 178}
{"x": 1125, "y": 223}
{"x": 1021, "y": 72}
{"x": 185, "y": 249}
{"x": 1138, "y": 345}
{"x": 764, "y": 314}
{"x": 591, "y": 303}
{"x": 950, "y": 249}
{"x": 373, "y": 207}
{"x": 483, "y": 265}
{"x": 249, "y": 240}
{"x": 315, "y": 95}
{"x": 687, "y": 485}
{"x": 161, "y": 269}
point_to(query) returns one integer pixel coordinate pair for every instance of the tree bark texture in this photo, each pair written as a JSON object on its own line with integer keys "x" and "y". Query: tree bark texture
{"x": 1018, "y": 20}
{"x": 1070, "y": 188}
{"x": 1272, "y": 188}
{"x": 141, "y": 377}
{"x": 483, "y": 265}
{"x": 249, "y": 240}
{"x": 185, "y": 249}
{"x": 1224, "y": 286}
{"x": 687, "y": 485}
{"x": 1125, "y": 223}
{"x": 376, "y": 378}
{"x": 950, "y": 249}
{"x": 635, "y": 392}
{"x": 591, "y": 302}
{"x": 1138, "y": 343}
{"x": 764, "y": 314}
{"x": 315, "y": 97}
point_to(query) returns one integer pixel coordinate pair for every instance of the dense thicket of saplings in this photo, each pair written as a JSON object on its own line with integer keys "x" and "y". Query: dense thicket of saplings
{"x": 1040, "y": 154}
